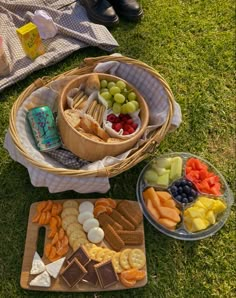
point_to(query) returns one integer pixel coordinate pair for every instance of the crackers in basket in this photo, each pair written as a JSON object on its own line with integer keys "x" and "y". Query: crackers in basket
{"x": 121, "y": 254}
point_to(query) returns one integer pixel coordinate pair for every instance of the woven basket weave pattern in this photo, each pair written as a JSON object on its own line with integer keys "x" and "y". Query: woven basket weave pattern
{"x": 134, "y": 158}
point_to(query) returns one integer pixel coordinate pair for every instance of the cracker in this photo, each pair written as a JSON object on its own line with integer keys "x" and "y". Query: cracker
{"x": 109, "y": 255}
{"x": 101, "y": 254}
{"x": 116, "y": 262}
{"x": 68, "y": 220}
{"x": 101, "y": 112}
{"x": 131, "y": 212}
{"x": 96, "y": 111}
{"x": 78, "y": 242}
{"x": 105, "y": 219}
{"x": 131, "y": 237}
{"x": 91, "y": 108}
{"x": 124, "y": 258}
{"x": 113, "y": 238}
{"x": 81, "y": 101}
{"x": 88, "y": 246}
{"x": 118, "y": 217}
{"x": 137, "y": 258}
{"x": 75, "y": 235}
{"x": 93, "y": 252}
{"x": 75, "y": 226}
{"x": 70, "y": 203}
{"x": 69, "y": 211}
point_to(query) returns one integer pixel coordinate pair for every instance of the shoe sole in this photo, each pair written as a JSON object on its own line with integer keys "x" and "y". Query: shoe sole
{"x": 97, "y": 20}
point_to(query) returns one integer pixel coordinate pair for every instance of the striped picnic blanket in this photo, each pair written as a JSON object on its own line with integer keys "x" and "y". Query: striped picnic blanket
{"x": 75, "y": 32}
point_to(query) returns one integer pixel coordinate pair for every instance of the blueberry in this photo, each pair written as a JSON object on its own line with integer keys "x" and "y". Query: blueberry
{"x": 179, "y": 198}
{"x": 185, "y": 200}
{"x": 187, "y": 189}
{"x": 189, "y": 183}
{"x": 193, "y": 193}
{"x": 184, "y": 195}
{"x": 177, "y": 183}
{"x": 190, "y": 199}
{"x": 183, "y": 182}
{"x": 180, "y": 189}
{"x": 174, "y": 189}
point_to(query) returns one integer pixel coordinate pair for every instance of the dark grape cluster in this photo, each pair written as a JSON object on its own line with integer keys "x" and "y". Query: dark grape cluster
{"x": 183, "y": 191}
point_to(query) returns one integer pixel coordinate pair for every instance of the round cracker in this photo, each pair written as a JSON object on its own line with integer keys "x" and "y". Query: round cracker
{"x": 101, "y": 254}
{"x": 124, "y": 258}
{"x": 68, "y": 220}
{"x": 75, "y": 226}
{"x": 88, "y": 246}
{"x": 116, "y": 262}
{"x": 69, "y": 211}
{"x": 93, "y": 252}
{"x": 137, "y": 258}
{"x": 76, "y": 235}
{"x": 70, "y": 204}
{"x": 78, "y": 242}
{"x": 109, "y": 255}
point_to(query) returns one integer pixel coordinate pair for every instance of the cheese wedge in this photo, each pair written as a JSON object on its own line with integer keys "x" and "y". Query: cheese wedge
{"x": 41, "y": 280}
{"x": 54, "y": 268}
{"x": 37, "y": 264}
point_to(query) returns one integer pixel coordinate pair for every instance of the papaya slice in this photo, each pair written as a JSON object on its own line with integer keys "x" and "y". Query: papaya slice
{"x": 169, "y": 213}
{"x": 150, "y": 193}
{"x": 168, "y": 223}
{"x": 153, "y": 211}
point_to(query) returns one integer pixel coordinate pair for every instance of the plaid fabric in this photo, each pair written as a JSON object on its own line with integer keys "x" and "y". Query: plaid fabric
{"x": 75, "y": 32}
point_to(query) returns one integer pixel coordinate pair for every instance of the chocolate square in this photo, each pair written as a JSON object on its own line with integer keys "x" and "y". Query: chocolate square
{"x": 91, "y": 277}
{"x": 73, "y": 273}
{"x": 81, "y": 255}
{"x": 106, "y": 274}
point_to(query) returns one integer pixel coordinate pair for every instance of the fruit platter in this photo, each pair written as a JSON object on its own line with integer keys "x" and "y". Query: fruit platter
{"x": 184, "y": 196}
{"x": 88, "y": 245}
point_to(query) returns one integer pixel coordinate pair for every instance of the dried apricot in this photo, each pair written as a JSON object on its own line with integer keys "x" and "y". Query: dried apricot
{"x": 109, "y": 210}
{"x": 63, "y": 250}
{"x": 112, "y": 203}
{"x": 54, "y": 210}
{"x": 59, "y": 208}
{"x": 53, "y": 252}
{"x": 58, "y": 218}
{"x": 65, "y": 241}
{"x": 127, "y": 283}
{"x": 102, "y": 202}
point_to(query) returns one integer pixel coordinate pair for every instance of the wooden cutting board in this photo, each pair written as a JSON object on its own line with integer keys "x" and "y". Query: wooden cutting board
{"x": 32, "y": 244}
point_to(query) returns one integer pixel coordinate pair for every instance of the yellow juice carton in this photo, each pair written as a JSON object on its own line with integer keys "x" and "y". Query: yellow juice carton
{"x": 30, "y": 40}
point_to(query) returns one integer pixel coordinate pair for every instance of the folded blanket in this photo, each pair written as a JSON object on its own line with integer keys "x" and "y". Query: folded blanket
{"x": 75, "y": 31}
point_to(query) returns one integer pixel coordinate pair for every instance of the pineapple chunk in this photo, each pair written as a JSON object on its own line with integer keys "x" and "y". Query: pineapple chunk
{"x": 207, "y": 202}
{"x": 218, "y": 206}
{"x": 196, "y": 212}
{"x": 199, "y": 224}
{"x": 210, "y": 216}
{"x": 199, "y": 204}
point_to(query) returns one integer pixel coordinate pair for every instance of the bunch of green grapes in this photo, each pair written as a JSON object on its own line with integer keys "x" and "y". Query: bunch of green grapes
{"x": 118, "y": 97}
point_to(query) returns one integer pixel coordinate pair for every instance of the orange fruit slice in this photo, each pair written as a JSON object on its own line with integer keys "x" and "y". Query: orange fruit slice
{"x": 48, "y": 217}
{"x": 140, "y": 275}
{"x": 52, "y": 233}
{"x": 53, "y": 252}
{"x": 53, "y": 222}
{"x": 36, "y": 217}
{"x": 61, "y": 234}
{"x": 55, "y": 239}
{"x": 98, "y": 210}
{"x": 42, "y": 218}
{"x": 48, "y": 207}
{"x": 127, "y": 283}
{"x": 130, "y": 273}
{"x": 41, "y": 206}
{"x": 59, "y": 208}
{"x": 62, "y": 251}
{"x": 54, "y": 210}
{"x": 58, "y": 218}
{"x": 65, "y": 241}
{"x": 47, "y": 249}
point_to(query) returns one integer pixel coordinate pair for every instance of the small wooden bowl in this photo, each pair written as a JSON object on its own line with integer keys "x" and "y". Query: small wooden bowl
{"x": 88, "y": 148}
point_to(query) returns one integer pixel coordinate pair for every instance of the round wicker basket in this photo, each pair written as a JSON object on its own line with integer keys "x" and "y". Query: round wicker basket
{"x": 134, "y": 158}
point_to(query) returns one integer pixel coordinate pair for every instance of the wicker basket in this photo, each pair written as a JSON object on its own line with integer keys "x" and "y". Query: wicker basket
{"x": 134, "y": 158}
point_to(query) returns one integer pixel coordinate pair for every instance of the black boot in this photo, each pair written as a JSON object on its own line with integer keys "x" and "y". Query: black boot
{"x": 129, "y": 9}
{"x": 100, "y": 12}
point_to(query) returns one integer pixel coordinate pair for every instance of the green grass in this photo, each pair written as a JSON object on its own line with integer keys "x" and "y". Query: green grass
{"x": 191, "y": 44}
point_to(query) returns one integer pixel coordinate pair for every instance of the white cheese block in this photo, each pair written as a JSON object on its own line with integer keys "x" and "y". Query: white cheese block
{"x": 54, "y": 268}
{"x": 41, "y": 280}
{"x": 37, "y": 264}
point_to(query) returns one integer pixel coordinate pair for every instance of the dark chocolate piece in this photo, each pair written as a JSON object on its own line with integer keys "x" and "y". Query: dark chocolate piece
{"x": 91, "y": 276}
{"x": 73, "y": 273}
{"x": 81, "y": 255}
{"x": 106, "y": 274}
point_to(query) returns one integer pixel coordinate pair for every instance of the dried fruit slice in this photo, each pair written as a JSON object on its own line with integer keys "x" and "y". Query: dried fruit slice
{"x": 48, "y": 207}
{"x": 127, "y": 283}
{"x": 36, "y": 217}
{"x": 41, "y": 206}
{"x": 130, "y": 274}
{"x": 98, "y": 210}
{"x": 52, "y": 233}
{"x": 42, "y": 218}
{"x": 47, "y": 249}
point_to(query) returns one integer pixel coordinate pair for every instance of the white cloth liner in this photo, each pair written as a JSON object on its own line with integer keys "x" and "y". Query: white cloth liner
{"x": 151, "y": 89}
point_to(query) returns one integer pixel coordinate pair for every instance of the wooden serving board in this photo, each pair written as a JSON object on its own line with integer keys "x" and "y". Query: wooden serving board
{"x": 59, "y": 285}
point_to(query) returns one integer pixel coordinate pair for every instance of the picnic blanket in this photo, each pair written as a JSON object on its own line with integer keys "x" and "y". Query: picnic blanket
{"x": 75, "y": 32}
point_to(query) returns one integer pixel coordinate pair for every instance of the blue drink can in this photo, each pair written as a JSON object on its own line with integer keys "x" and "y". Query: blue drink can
{"x": 44, "y": 128}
